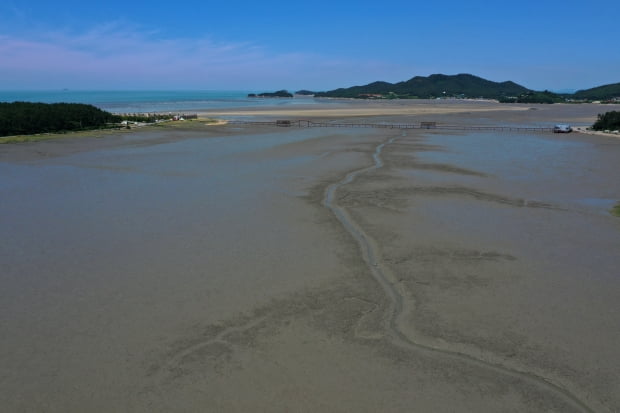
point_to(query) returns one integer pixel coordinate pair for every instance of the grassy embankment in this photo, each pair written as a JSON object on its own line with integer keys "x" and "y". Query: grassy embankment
{"x": 616, "y": 210}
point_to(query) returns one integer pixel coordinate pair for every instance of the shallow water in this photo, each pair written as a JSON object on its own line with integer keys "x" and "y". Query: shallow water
{"x": 154, "y": 101}
{"x": 107, "y": 255}
{"x": 62, "y": 209}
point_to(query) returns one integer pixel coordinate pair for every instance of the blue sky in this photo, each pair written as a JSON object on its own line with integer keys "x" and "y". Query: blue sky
{"x": 319, "y": 45}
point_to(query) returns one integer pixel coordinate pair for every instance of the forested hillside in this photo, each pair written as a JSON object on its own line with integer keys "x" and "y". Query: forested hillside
{"x": 26, "y": 118}
{"x": 433, "y": 86}
{"x": 599, "y": 93}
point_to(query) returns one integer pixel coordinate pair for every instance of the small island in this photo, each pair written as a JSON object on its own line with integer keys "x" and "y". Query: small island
{"x": 305, "y": 92}
{"x": 279, "y": 94}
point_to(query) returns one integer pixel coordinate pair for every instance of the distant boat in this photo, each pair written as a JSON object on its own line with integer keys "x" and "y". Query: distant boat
{"x": 562, "y": 128}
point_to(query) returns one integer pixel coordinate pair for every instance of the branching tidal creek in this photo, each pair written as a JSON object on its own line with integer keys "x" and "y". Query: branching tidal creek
{"x": 394, "y": 326}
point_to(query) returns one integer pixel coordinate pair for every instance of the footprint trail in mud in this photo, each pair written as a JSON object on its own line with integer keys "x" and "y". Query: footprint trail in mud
{"x": 398, "y": 306}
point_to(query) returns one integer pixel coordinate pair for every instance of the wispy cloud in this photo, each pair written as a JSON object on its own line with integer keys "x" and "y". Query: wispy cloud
{"x": 117, "y": 55}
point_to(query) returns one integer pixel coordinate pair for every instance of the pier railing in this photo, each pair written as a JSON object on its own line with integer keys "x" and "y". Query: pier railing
{"x": 420, "y": 125}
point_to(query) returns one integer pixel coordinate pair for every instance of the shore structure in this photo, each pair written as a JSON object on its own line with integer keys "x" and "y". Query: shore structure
{"x": 237, "y": 267}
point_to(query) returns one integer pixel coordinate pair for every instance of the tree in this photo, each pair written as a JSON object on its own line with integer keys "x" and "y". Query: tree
{"x": 608, "y": 121}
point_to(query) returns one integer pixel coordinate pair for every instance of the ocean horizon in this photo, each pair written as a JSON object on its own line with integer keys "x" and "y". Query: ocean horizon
{"x": 147, "y": 101}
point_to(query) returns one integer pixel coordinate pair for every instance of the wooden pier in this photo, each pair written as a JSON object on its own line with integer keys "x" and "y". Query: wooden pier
{"x": 420, "y": 125}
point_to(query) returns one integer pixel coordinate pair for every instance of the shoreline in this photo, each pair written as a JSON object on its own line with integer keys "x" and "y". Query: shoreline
{"x": 463, "y": 111}
{"x": 587, "y": 131}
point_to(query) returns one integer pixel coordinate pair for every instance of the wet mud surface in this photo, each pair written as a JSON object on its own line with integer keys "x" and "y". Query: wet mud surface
{"x": 312, "y": 270}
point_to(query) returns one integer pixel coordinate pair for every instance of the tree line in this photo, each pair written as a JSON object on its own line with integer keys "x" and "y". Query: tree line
{"x": 27, "y": 118}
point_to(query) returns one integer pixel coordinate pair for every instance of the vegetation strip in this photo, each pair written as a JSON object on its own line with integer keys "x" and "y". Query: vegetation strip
{"x": 27, "y": 118}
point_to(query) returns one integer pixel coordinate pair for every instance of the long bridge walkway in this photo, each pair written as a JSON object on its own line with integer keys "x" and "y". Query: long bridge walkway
{"x": 420, "y": 125}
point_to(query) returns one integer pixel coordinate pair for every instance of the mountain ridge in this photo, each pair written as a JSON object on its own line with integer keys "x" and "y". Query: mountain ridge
{"x": 435, "y": 85}
{"x": 463, "y": 85}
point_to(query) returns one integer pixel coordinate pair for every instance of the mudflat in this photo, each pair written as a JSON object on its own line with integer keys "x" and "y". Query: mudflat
{"x": 243, "y": 268}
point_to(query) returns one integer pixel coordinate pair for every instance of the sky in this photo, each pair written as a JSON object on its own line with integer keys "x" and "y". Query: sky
{"x": 316, "y": 45}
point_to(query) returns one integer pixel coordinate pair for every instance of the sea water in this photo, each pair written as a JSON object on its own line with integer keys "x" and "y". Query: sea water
{"x": 152, "y": 100}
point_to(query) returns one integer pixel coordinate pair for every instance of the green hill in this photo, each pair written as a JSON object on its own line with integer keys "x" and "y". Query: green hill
{"x": 604, "y": 92}
{"x": 433, "y": 86}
